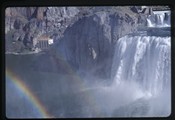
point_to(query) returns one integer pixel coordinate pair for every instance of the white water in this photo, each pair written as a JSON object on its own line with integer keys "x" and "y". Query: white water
{"x": 159, "y": 19}
{"x": 144, "y": 60}
{"x": 149, "y": 23}
{"x": 141, "y": 81}
{"x": 141, "y": 74}
{"x": 141, "y": 85}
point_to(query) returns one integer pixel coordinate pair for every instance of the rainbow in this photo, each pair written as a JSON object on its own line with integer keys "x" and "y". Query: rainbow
{"x": 22, "y": 86}
{"x": 28, "y": 93}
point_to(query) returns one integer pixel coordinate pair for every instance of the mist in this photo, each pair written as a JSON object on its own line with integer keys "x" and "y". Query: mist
{"x": 132, "y": 91}
{"x": 111, "y": 74}
{"x": 126, "y": 99}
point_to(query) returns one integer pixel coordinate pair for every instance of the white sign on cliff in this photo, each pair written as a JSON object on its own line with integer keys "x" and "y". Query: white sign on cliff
{"x": 50, "y": 41}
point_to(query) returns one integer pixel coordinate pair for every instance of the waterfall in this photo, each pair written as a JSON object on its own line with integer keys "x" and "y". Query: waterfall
{"x": 145, "y": 60}
{"x": 149, "y": 23}
{"x": 159, "y": 19}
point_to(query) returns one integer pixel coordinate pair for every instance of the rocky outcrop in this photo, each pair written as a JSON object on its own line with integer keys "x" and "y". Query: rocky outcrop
{"x": 88, "y": 45}
{"x": 33, "y": 22}
{"x": 85, "y": 36}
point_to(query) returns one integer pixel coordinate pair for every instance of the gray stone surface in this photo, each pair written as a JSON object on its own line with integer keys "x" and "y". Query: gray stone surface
{"x": 88, "y": 44}
{"x": 84, "y": 36}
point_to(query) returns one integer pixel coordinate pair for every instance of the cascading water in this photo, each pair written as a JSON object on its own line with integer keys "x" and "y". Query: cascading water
{"x": 141, "y": 74}
{"x": 144, "y": 60}
{"x": 159, "y": 19}
{"x": 141, "y": 80}
{"x": 149, "y": 23}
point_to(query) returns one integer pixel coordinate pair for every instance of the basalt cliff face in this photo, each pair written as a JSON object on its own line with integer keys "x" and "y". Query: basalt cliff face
{"x": 23, "y": 25}
{"x": 88, "y": 45}
{"x": 84, "y": 37}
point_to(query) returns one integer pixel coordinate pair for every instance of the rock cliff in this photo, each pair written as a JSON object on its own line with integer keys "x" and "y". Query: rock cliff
{"x": 25, "y": 24}
{"x": 84, "y": 36}
{"x": 88, "y": 45}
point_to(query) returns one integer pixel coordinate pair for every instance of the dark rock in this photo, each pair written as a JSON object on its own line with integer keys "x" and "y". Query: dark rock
{"x": 142, "y": 19}
{"x": 51, "y": 20}
{"x": 15, "y": 36}
{"x": 134, "y": 9}
{"x": 27, "y": 39}
{"x": 85, "y": 36}
{"x": 88, "y": 44}
{"x": 17, "y": 24}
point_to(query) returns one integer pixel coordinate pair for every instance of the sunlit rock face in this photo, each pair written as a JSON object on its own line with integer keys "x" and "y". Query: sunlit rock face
{"x": 23, "y": 24}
